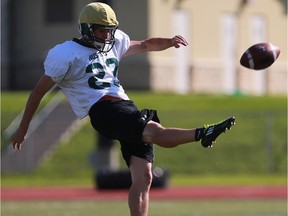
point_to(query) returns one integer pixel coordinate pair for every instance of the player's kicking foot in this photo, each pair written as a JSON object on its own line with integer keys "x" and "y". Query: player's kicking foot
{"x": 212, "y": 131}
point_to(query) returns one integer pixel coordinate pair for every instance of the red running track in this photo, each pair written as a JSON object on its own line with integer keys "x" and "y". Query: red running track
{"x": 170, "y": 193}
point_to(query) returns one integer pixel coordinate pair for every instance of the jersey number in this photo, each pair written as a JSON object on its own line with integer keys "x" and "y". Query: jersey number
{"x": 99, "y": 73}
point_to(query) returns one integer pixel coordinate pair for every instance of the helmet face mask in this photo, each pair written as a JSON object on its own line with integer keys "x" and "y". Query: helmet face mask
{"x": 98, "y": 16}
{"x": 103, "y": 46}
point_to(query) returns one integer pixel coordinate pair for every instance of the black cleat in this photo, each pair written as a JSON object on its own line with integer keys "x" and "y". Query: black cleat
{"x": 212, "y": 131}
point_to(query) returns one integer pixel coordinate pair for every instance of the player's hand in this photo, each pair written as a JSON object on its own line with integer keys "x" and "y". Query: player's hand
{"x": 18, "y": 138}
{"x": 178, "y": 40}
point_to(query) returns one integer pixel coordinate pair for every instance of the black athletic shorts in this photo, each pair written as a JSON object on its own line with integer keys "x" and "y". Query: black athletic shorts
{"x": 121, "y": 120}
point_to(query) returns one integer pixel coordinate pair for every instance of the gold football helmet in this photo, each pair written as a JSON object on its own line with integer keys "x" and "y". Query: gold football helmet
{"x": 98, "y": 15}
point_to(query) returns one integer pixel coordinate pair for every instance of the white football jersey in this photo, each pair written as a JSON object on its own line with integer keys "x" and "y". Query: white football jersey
{"x": 84, "y": 75}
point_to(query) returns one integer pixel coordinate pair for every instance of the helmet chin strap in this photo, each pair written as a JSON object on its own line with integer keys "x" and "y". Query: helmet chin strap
{"x": 99, "y": 45}
{"x": 103, "y": 47}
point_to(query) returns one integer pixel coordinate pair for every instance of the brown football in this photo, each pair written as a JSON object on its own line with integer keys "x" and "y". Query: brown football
{"x": 260, "y": 56}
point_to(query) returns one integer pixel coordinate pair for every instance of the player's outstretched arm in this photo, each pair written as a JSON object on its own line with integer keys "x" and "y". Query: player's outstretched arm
{"x": 155, "y": 44}
{"x": 42, "y": 87}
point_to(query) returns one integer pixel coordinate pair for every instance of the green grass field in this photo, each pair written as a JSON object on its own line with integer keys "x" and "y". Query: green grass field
{"x": 157, "y": 208}
{"x": 253, "y": 152}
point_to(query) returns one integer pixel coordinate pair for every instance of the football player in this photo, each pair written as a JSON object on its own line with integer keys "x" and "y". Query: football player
{"x": 86, "y": 69}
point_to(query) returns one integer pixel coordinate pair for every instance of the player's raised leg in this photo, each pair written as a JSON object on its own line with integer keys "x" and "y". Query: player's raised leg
{"x": 172, "y": 137}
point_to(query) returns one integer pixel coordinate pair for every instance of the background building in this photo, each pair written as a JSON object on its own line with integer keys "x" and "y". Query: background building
{"x": 218, "y": 33}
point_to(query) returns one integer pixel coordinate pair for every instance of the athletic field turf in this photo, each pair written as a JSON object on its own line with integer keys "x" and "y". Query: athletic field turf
{"x": 181, "y": 201}
{"x": 227, "y": 207}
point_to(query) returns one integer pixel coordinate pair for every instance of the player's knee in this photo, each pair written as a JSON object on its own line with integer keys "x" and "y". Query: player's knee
{"x": 147, "y": 178}
{"x": 152, "y": 131}
{"x": 143, "y": 179}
